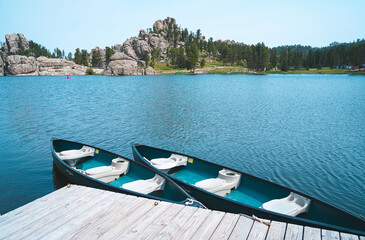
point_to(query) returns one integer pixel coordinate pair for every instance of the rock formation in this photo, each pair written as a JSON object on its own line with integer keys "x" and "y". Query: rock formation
{"x": 118, "y": 48}
{"x": 150, "y": 71}
{"x": 162, "y": 25}
{"x": 1, "y": 67}
{"x": 21, "y": 66}
{"x": 13, "y": 42}
{"x": 127, "y": 59}
{"x": 59, "y": 67}
{"x": 17, "y": 65}
{"x": 102, "y": 56}
{"x": 136, "y": 47}
{"x": 121, "y": 64}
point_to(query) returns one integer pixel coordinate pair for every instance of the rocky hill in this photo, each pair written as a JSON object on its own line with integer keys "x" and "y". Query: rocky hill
{"x": 126, "y": 60}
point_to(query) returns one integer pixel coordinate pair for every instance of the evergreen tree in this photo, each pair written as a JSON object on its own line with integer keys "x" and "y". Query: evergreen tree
{"x": 273, "y": 58}
{"x": 69, "y": 56}
{"x": 84, "y": 57}
{"x": 77, "y": 56}
{"x": 180, "y": 60}
{"x": 146, "y": 57}
{"x": 284, "y": 61}
{"x": 202, "y": 63}
{"x": 108, "y": 53}
{"x": 192, "y": 55}
{"x": 96, "y": 59}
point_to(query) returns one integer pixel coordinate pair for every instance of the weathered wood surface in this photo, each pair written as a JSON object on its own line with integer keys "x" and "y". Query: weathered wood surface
{"x": 77, "y": 212}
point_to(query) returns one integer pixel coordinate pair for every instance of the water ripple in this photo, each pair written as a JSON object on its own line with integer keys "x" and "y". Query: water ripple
{"x": 304, "y": 132}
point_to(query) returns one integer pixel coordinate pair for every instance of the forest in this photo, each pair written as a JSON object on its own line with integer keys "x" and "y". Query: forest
{"x": 189, "y": 50}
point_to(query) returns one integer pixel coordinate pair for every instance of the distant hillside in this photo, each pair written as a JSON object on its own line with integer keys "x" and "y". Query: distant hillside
{"x": 178, "y": 48}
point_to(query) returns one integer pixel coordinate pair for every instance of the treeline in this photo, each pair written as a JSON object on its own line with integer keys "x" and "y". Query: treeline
{"x": 82, "y": 57}
{"x": 337, "y": 55}
{"x": 187, "y": 45}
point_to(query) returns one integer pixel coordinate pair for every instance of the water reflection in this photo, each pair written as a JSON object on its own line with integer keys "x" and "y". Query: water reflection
{"x": 59, "y": 180}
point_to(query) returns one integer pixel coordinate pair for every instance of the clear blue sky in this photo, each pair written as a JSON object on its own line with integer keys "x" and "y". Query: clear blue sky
{"x": 69, "y": 24}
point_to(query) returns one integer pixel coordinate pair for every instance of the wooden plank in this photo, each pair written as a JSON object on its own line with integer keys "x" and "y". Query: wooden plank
{"x": 258, "y": 231}
{"x": 225, "y": 228}
{"x": 176, "y": 223}
{"x": 348, "y": 236}
{"x": 161, "y": 222}
{"x": 191, "y": 226}
{"x": 32, "y": 219}
{"x": 329, "y": 234}
{"x": 100, "y": 226}
{"x": 293, "y": 231}
{"x": 276, "y": 230}
{"x": 242, "y": 228}
{"x": 209, "y": 225}
{"x": 311, "y": 233}
{"x": 38, "y": 205}
{"x": 63, "y": 216}
{"x": 125, "y": 221}
{"x": 51, "y": 197}
{"x": 136, "y": 229}
{"x": 82, "y": 216}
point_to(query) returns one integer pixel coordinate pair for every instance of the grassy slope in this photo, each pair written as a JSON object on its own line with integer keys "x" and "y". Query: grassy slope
{"x": 214, "y": 67}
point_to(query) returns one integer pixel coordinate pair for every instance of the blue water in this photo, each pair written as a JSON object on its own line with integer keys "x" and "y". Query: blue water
{"x": 302, "y": 131}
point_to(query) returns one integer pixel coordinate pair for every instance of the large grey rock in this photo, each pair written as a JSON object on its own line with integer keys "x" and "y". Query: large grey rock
{"x": 102, "y": 56}
{"x": 59, "y": 67}
{"x": 118, "y": 48}
{"x": 136, "y": 47}
{"x": 17, "y": 65}
{"x": 1, "y": 67}
{"x": 120, "y": 56}
{"x": 121, "y": 68}
{"x": 12, "y": 42}
{"x": 150, "y": 71}
{"x": 161, "y": 26}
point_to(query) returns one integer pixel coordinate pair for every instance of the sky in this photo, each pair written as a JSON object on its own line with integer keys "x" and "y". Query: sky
{"x": 71, "y": 24}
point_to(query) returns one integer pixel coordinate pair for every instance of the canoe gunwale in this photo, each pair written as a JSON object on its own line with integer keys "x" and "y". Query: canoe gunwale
{"x": 114, "y": 188}
{"x": 306, "y": 222}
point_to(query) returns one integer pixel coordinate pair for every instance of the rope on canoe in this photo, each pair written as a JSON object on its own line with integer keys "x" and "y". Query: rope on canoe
{"x": 190, "y": 201}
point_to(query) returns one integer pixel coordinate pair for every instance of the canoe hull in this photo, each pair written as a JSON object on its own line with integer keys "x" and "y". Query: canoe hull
{"x": 215, "y": 202}
{"x": 74, "y": 176}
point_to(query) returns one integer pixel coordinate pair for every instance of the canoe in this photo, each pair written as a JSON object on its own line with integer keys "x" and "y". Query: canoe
{"x": 225, "y": 189}
{"x": 94, "y": 167}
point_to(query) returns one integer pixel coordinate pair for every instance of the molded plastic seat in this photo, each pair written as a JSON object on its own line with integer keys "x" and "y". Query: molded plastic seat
{"x": 209, "y": 183}
{"x": 292, "y": 205}
{"x": 85, "y": 151}
{"x": 223, "y": 184}
{"x": 110, "y": 173}
{"x": 165, "y": 164}
{"x": 146, "y": 186}
{"x": 98, "y": 170}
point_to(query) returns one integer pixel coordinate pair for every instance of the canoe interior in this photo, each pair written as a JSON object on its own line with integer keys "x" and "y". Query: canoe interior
{"x": 136, "y": 171}
{"x": 252, "y": 191}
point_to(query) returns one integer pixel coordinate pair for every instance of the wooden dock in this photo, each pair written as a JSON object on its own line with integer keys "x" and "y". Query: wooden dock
{"x": 77, "y": 212}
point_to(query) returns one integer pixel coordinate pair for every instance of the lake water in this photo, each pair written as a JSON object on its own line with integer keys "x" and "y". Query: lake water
{"x": 305, "y": 132}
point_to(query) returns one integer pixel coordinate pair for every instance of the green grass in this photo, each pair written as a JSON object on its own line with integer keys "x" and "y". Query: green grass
{"x": 219, "y": 68}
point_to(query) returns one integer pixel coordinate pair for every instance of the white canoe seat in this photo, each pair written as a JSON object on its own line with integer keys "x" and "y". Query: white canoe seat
{"x": 146, "y": 186}
{"x": 108, "y": 174}
{"x": 210, "y": 183}
{"x": 223, "y": 184}
{"x": 71, "y": 156}
{"x": 98, "y": 170}
{"x": 165, "y": 164}
{"x": 292, "y": 205}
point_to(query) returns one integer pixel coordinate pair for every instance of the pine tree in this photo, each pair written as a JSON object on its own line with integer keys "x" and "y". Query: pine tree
{"x": 77, "y": 56}
{"x": 284, "y": 66}
{"x": 96, "y": 59}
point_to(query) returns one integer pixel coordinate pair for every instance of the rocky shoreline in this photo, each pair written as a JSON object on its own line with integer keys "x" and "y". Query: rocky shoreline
{"x": 127, "y": 59}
